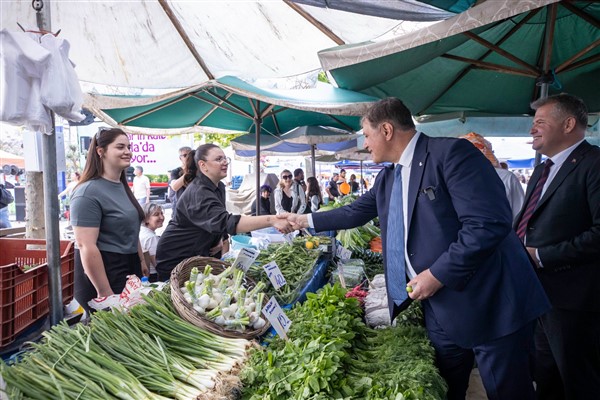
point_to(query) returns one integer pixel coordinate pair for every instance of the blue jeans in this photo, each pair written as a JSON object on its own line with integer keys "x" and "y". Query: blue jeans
{"x": 4, "y": 222}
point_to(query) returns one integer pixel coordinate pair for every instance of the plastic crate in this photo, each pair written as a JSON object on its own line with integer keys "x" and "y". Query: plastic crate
{"x": 24, "y": 295}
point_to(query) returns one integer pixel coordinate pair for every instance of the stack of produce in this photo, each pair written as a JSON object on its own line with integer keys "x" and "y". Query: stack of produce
{"x": 296, "y": 263}
{"x": 224, "y": 300}
{"x": 356, "y": 238}
{"x": 373, "y": 261}
{"x": 376, "y": 245}
{"x": 150, "y": 353}
{"x": 328, "y": 347}
{"x": 312, "y": 242}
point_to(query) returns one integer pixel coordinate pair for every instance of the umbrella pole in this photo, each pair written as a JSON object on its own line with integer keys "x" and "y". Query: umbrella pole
{"x": 362, "y": 178}
{"x": 548, "y": 38}
{"x": 257, "y": 124}
{"x": 312, "y": 158}
{"x": 51, "y": 199}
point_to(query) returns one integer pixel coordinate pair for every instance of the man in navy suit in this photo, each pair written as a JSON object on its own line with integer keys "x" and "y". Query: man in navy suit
{"x": 562, "y": 233}
{"x": 462, "y": 258}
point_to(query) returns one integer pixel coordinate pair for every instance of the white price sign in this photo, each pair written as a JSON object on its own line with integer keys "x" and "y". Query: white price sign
{"x": 246, "y": 258}
{"x": 274, "y": 273}
{"x": 280, "y": 322}
{"x": 343, "y": 253}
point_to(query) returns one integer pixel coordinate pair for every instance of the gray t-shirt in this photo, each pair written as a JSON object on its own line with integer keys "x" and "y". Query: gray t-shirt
{"x": 103, "y": 204}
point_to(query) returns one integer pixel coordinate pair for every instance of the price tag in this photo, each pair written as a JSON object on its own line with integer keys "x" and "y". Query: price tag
{"x": 343, "y": 253}
{"x": 280, "y": 322}
{"x": 274, "y": 274}
{"x": 289, "y": 238}
{"x": 246, "y": 258}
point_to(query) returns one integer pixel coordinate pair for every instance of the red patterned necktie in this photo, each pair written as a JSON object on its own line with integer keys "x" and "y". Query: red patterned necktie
{"x": 533, "y": 200}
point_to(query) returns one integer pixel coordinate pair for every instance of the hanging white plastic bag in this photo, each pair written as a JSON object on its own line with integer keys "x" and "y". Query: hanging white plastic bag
{"x": 60, "y": 90}
{"x": 38, "y": 116}
{"x": 22, "y": 63}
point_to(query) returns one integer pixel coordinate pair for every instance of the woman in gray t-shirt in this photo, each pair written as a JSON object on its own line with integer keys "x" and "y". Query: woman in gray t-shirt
{"x": 106, "y": 220}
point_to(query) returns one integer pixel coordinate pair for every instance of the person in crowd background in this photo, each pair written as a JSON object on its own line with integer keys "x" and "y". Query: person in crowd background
{"x": 354, "y": 188}
{"x": 313, "y": 195}
{"x": 560, "y": 225}
{"x": 66, "y": 202}
{"x": 299, "y": 179}
{"x": 179, "y": 179}
{"x": 288, "y": 198}
{"x": 364, "y": 184}
{"x": 446, "y": 223}
{"x": 299, "y": 186}
{"x": 265, "y": 201}
{"x": 202, "y": 224}
{"x": 141, "y": 186}
{"x": 75, "y": 176}
{"x": 106, "y": 219}
{"x": 332, "y": 188}
{"x": 153, "y": 219}
{"x": 341, "y": 177}
{"x": 4, "y": 216}
{"x": 512, "y": 186}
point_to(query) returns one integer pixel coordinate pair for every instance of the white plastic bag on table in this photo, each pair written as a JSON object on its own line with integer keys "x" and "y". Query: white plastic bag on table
{"x": 130, "y": 296}
{"x": 377, "y": 313}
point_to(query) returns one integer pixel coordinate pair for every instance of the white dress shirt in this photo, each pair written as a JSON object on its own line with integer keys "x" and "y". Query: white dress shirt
{"x": 406, "y": 162}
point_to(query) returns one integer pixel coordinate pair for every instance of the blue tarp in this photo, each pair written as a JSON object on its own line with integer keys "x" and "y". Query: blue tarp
{"x": 523, "y": 163}
{"x": 356, "y": 164}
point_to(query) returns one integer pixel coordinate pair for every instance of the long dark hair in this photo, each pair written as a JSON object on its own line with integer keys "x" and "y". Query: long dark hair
{"x": 94, "y": 168}
{"x": 313, "y": 189}
{"x": 190, "y": 169}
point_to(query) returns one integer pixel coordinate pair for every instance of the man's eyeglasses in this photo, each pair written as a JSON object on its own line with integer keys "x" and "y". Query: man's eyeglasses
{"x": 222, "y": 160}
{"x": 183, "y": 155}
{"x": 286, "y": 177}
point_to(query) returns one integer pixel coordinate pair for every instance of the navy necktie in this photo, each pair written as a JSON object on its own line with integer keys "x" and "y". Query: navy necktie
{"x": 533, "y": 200}
{"x": 396, "y": 263}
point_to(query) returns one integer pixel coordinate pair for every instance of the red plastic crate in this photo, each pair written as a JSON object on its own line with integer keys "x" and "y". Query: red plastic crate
{"x": 24, "y": 295}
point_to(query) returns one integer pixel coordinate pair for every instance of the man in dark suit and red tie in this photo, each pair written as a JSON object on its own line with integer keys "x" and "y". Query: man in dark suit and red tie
{"x": 560, "y": 226}
{"x": 447, "y": 233}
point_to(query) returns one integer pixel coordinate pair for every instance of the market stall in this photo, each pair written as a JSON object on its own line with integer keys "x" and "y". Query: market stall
{"x": 197, "y": 337}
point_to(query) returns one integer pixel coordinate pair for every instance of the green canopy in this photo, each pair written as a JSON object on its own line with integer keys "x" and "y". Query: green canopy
{"x": 491, "y": 59}
{"x": 232, "y": 104}
{"x": 455, "y": 6}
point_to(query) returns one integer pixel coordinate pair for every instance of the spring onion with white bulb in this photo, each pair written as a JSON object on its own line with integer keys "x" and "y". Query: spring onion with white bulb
{"x": 223, "y": 299}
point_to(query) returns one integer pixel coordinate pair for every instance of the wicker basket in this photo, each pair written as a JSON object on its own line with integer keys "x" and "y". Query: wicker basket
{"x": 181, "y": 273}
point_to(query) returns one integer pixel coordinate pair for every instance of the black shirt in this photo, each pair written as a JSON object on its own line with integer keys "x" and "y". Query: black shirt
{"x": 173, "y": 196}
{"x": 200, "y": 223}
{"x": 286, "y": 202}
{"x": 333, "y": 188}
{"x": 265, "y": 206}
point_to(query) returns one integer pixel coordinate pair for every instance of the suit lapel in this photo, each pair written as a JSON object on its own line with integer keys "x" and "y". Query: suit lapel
{"x": 567, "y": 167}
{"x": 535, "y": 177}
{"x": 416, "y": 175}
